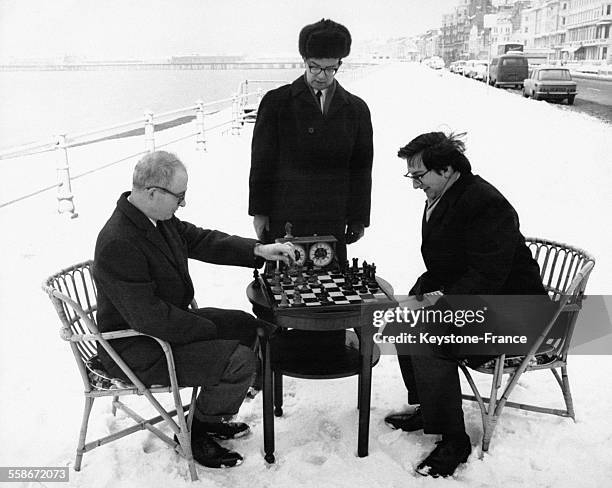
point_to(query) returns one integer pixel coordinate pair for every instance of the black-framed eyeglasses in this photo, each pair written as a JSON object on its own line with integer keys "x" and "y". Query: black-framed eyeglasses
{"x": 180, "y": 197}
{"x": 417, "y": 178}
{"x": 329, "y": 70}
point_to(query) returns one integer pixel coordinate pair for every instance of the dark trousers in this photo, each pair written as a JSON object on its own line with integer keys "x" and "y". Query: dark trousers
{"x": 222, "y": 399}
{"x": 433, "y": 382}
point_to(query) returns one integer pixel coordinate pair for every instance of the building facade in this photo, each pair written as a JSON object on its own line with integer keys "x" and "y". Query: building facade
{"x": 589, "y": 31}
{"x": 551, "y": 30}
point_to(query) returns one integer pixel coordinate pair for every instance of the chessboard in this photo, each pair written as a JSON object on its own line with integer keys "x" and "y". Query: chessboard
{"x": 325, "y": 289}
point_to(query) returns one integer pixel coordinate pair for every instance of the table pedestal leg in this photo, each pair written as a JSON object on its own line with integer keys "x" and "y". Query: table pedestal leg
{"x": 268, "y": 413}
{"x": 365, "y": 389}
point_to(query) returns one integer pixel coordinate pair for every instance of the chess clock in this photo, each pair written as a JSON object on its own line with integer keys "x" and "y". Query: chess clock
{"x": 321, "y": 250}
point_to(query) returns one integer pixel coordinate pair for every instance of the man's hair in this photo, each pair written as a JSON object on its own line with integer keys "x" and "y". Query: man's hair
{"x": 324, "y": 39}
{"x": 156, "y": 169}
{"x": 438, "y": 151}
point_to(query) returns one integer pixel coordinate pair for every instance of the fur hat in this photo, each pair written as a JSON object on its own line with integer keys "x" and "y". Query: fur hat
{"x": 325, "y": 39}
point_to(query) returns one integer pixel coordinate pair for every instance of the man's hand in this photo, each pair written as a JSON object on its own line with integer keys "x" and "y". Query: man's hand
{"x": 284, "y": 252}
{"x": 261, "y": 223}
{"x": 354, "y": 232}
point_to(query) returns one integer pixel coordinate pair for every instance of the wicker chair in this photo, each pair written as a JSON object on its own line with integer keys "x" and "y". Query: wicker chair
{"x": 73, "y": 293}
{"x": 565, "y": 271}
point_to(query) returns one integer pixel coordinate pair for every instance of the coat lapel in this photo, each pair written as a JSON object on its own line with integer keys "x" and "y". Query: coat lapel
{"x": 151, "y": 232}
{"x": 173, "y": 241}
{"x": 447, "y": 201}
{"x": 301, "y": 92}
{"x": 338, "y": 101}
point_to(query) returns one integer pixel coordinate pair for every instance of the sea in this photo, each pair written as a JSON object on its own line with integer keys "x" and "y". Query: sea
{"x": 37, "y": 105}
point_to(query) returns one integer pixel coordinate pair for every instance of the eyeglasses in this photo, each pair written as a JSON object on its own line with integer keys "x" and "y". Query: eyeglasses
{"x": 329, "y": 70}
{"x": 180, "y": 197}
{"x": 417, "y": 178}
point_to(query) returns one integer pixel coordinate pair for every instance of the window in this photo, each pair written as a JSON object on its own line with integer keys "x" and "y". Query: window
{"x": 514, "y": 62}
{"x": 555, "y": 74}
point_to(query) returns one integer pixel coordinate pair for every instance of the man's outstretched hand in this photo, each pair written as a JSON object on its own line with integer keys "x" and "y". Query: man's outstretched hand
{"x": 284, "y": 252}
{"x": 354, "y": 232}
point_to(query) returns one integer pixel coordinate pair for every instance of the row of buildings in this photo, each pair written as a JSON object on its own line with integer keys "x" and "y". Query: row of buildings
{"x": 553, "y": 30}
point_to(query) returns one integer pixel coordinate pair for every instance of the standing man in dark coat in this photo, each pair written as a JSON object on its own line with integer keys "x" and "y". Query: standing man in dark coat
{"x": 141, "y": 272}
{"x": 311, "y": 158}
{"x": 471, "y": 245}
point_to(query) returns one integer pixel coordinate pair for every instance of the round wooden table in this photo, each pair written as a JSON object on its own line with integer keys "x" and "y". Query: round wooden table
{"x": 316, "y": 344}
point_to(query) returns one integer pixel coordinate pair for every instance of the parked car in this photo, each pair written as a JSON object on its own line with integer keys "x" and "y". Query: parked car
{"x": 478, "y": 71}
{"x": 468, "y": 66}
{"x": 508, "y": 70}
{"x": 435, "y": 62}
{"x": 457, "y": 66}
{"x": 550, "y": 83}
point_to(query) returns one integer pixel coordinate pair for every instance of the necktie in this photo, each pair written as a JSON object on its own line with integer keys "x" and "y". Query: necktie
{"x": 319, "y": 95}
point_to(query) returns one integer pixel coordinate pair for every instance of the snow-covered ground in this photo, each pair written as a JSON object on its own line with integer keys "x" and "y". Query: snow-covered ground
{"x": 552, "y": 164}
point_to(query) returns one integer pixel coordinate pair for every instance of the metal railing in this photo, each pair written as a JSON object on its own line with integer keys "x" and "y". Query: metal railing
{"x": 209, "y": 116}
{"x": 243, "y": 106}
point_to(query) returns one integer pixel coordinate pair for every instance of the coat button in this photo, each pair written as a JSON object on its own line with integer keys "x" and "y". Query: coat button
{"x": 311, "y": 130}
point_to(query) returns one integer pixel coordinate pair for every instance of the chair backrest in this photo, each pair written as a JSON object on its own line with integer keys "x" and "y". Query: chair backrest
{"x": 559, "y": 263}
{"x": 73, "y": 294}
{"x": 565, "y": 271}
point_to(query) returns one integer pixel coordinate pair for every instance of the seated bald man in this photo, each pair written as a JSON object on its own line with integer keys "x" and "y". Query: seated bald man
{"x": 141, "y": 272}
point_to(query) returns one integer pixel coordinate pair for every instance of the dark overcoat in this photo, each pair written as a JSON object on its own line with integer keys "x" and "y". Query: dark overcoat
{"x": 142, "y": 277}
{"x": 472, "y": 245}
{"x": 306, "y": 166}
{"x": 475, "y": 253}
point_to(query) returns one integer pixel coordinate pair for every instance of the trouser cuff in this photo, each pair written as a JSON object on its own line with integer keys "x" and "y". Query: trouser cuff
{"x": 212, "y": 419}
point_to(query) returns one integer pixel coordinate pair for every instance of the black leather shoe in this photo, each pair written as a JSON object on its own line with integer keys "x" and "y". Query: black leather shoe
{"x": 449, "y": 453}
{"x": 408, "y": 422}
{"x": 221, "y": 430}
{"x": 207, "y": 452}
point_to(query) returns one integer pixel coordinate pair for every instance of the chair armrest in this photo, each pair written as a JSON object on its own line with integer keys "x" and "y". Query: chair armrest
{"x": 116, "y": 334}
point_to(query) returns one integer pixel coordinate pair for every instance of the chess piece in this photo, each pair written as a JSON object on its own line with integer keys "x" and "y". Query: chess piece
{"x": 288, "y": 227}
{"x": 355, "y": 265}
{"x": 286, "y": 279}
{"x": 297, "y": 298}
{"x": 313, "y": 280}
{"x": 276, "y": 277}
{"x": 284, "y": 303}
{"x": 299, "y": 280}
{"x": 256, "y": 283}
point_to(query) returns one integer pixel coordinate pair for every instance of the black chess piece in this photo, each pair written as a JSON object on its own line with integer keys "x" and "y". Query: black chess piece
{"x": 297, "y": 299}
{"x": 299, "y": 275}
{"x": 288, "y": 228}
{"x": 256, "y": 283}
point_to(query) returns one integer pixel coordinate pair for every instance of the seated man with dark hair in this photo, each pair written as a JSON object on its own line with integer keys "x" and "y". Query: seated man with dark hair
{"x": 471, "y": 245}
{"x": 141, "y": 272}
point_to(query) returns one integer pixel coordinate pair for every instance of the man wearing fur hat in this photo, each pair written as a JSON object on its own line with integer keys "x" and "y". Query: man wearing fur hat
{"x": 311, "y": 157}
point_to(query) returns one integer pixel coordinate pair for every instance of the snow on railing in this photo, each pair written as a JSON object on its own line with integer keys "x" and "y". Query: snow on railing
{"x": 243, "y": 108}
{"x": 243, "y": 103}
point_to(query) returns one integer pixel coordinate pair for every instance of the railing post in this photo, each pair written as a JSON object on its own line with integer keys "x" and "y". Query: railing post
{"x": 149, "y": 132}
{"x": 235, "y": 116}
{"x": 245, "y": 96}
{"x": 201, "y": 135}
{"x": 65, "y": 203}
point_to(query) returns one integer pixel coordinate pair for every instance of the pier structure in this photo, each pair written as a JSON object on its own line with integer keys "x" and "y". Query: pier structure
{"x": 113, "y": 66}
